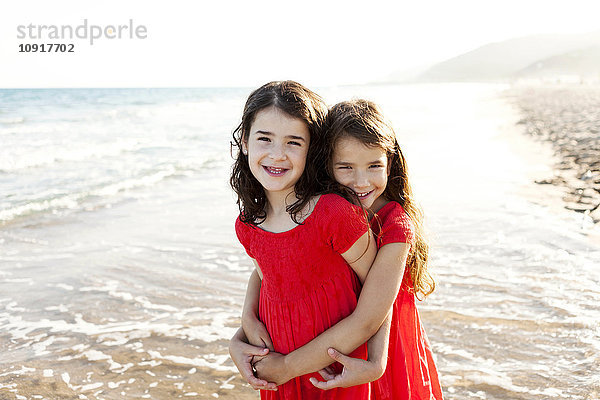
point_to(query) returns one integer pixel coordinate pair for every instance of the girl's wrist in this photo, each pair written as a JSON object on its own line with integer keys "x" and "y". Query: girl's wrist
{"x": 289, "y": 367}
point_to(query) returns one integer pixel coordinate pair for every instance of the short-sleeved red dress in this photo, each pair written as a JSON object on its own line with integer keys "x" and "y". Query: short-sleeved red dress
{"x": 307, "y": 286}
{"x": 411, "y": 372}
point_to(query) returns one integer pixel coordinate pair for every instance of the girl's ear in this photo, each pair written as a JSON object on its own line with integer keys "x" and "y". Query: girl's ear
{"x": 244, "y": 147}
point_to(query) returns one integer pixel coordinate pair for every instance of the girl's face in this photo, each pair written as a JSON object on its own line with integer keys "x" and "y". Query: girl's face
{"x": 363, "y": 169}
{"x": 277, "y": 147}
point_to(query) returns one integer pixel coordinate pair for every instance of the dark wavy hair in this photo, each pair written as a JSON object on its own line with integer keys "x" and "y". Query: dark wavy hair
{"x": 363, "y": 120}
{"x": 298, "y": 102}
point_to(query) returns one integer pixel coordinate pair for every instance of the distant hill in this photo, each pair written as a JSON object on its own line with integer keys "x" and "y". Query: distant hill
{"x": 519, "y": 57}
{"x": 584, "y": 63}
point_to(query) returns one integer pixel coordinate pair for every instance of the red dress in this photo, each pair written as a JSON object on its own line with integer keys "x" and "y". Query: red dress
{"x": 411, "y": 372}
{"x": 307, "y": 286}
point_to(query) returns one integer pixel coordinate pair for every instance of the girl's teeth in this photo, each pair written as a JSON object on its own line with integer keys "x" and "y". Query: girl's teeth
{"x": 275, "y": 170}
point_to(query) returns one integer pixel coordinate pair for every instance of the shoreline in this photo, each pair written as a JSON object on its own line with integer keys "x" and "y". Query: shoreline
{"x": 563, "y": 124}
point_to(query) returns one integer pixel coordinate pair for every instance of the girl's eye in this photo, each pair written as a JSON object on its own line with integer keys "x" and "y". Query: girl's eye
{"x": 264, "y": 139}
{"x": 295, "y": 143}
{"x": 344, "y": 167}
{"x": 376, "y": 166}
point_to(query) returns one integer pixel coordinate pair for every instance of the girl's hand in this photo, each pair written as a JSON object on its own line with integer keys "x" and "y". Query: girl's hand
{"x": 272, "y": 368}
{"x": 356, "y": 372}
{"x": 257, "y": 334}
{"x": 243, "y": 354}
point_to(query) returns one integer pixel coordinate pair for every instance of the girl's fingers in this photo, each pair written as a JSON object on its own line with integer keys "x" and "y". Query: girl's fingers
{"x": 267, "y": 342}
{"x": 329, "y": 370}
{"x": 339, "y": 357}
{"x": 326, "y": 385}
{"x": 256, "y": 351}
{"x": 263, "y": 385}
{"x": 270, "y": 386}
{"x": 248, "y": 374}
{"x": 256, "y": 359}
{"x": 256, "y": 383}
{"x": 260, "y": 384}
{"x": 327, "y": 375}
{"x": 264, "y": 336}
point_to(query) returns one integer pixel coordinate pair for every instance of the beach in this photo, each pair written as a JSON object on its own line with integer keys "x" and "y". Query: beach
{"x": 567, "y": 117}
{"x": 121, "y": 276}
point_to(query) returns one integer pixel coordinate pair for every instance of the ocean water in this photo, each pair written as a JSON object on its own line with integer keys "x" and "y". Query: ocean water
{"x": 121, "y": 277}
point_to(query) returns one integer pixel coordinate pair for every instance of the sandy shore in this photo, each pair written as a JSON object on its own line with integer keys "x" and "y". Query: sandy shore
{"x": 568, "y": 117}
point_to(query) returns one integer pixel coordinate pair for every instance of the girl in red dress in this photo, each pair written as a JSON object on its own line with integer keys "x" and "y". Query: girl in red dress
{"x": 310, "y": 252}
{"x": 365, "y": 156}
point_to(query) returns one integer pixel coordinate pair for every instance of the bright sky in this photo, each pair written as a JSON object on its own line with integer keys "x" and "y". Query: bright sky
{"x": 246, "y": 43}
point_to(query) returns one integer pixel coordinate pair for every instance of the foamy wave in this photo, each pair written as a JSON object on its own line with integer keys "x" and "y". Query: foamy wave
{"x": 39, "y": 348}
{"x": 61, "y": 286}
{"x": 212, "y": 361}
{"x": 495, "y": 378}
{"x": 75, "y": 201}
{"x": 111, "y": 289}
{"x": 44, "y": 156}
{"x": 135, "y": 183}
{"x": 12, "y": 120}
{"x": 21, "y": 371}
{"x": 110, "y": 334}
{"x": 65, "y": 202}
{"x": 95, "y": 355}
{"x": 19, "y": 329}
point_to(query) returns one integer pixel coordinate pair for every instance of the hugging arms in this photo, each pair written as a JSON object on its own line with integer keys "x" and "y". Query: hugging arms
{"x": 381, "y": 285}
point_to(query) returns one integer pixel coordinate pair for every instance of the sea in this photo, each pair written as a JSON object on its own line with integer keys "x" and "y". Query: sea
{"x": 121, "y": 275}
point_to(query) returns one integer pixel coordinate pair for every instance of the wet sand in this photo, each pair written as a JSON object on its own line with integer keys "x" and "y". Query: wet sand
{"x": 134, "y": 370}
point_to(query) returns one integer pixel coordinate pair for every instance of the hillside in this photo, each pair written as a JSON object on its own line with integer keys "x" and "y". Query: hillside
{"x": 520, "y": 57}
{"x": 584, "y": 63}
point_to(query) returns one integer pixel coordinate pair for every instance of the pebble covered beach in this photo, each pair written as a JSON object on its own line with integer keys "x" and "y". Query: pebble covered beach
{"x": 568, "y": 117}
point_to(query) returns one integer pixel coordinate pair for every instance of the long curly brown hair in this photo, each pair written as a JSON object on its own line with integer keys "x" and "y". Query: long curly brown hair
{"x": 299, "y": 102}
{"x": 363, "y": 120}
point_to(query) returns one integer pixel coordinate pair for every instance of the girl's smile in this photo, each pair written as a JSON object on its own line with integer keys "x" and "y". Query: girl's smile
{"x": 277, "y": 147}
{"x": 363, "y": 169}
{"x": 273, "y": 171}
{"x": 363, "y": 196}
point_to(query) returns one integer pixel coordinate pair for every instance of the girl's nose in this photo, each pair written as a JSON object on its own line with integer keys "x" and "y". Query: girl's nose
{"x": 278, "y": 153}
{"x": 361, "y": 180}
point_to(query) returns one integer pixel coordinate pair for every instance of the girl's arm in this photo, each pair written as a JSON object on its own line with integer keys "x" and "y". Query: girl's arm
{"x": 356, "y": 370}
{"x": 254, "y": 329}
{"x": 242, "y": 353}
{"x": 378, "y": 349}
{"x": 376, "y": 298}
